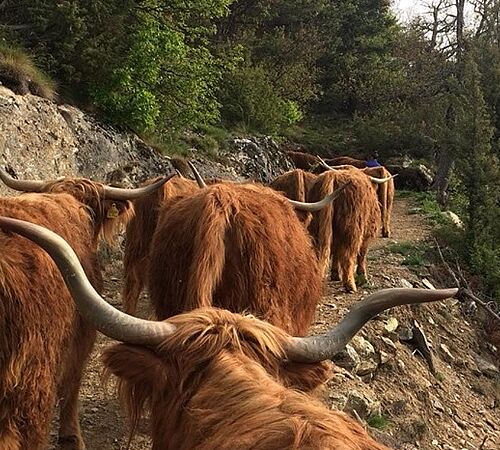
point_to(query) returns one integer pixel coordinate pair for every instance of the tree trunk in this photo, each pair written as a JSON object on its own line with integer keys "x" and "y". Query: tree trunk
{"x": 441, "y": 181}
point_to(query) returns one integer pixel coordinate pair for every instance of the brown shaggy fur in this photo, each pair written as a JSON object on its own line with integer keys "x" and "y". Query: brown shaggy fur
{"x": 219, "y": 383}
{"x": 295, "y": 185}
{"x": 343, "y": 230}
{"x": 301, "y": 160}
{"x": 236, "y": 246}
{"x": 44, "y": 343}
{"x": 346, "y": 160}
{"x": 140, "y": 232}
{"x": 385, "y": 194}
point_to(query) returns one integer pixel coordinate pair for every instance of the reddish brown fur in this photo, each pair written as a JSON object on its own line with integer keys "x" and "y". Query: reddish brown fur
{"x": 302, "y": 160}
{"x": 385, "y": 194}
{"x": 44, "y": 343}
{"x": 343, "y": 230}
{"x": 346, "y": 160}
{"x": 219, "y": 383}
{"x": 140, "y": 232}
{"x": 240, "y": 247}
{"x": 294, "y": 185}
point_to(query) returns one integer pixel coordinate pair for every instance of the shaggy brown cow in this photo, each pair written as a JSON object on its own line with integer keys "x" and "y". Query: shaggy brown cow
{"x": 140, "y": 232}
{"x": 301, "y": 160}
{"x": 385, "y": 194}
{"x": 238, "y": 246}
{"x": 213, "y": 379}
{"x": 294, "y": 185}
{"x": 343, "y": 230}
{"x": 346, "y": 160}
{"x": 44, "y": 342}
{"x": 384, "y": 185}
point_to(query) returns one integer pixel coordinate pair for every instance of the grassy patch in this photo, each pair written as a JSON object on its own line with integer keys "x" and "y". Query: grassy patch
{"x": 379, "y": 422}
{"x": 19, "y": 73}
{"x": 414, "y": 255}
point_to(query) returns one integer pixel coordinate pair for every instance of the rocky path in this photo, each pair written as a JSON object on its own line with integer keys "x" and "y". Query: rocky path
{"x": 456, "y": 409}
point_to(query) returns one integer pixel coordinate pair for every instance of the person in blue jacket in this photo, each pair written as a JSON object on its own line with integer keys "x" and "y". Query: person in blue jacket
{"x": 371, "y": 161}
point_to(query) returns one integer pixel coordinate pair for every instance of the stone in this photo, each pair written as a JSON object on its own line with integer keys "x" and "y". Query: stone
{"x": 405, "y": 283}
{"x": 366, "y": 367}
{"x": 362, "y": 404}
{"x": 486, "y": 367}
{"x": 391, "y": 324}
{"x": 389, "y": 342}
{"x": 347, "y": 358}
{"x": 445, "y": 352}
{"x": 363, "y": 347}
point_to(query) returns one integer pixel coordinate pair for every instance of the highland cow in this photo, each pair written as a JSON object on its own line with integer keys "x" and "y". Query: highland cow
{"x": 44, "y": 342}
{"x": 140, "y": 231}
{"x": 240, "y": 247}
{"x": 384, "y": 185}
{"x": 294, "y": 185}
{"x": 213, "y": 379}
{"x": 343, "y": 230}
{"x": 385, "y": 194}
{"x": 302, "y": 160}
{"x": 346, "y": 160}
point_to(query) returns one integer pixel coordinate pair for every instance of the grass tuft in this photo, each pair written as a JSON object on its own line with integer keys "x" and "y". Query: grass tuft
{"x": 19, "y": 73}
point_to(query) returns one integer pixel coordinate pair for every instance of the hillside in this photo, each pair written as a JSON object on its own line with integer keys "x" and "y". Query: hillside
{"x": 457, "y": 409}
{"x": 388, "y": 386}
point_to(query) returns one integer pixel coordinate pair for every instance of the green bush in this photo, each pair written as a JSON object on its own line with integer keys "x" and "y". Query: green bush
{"x": 249, "y": 98}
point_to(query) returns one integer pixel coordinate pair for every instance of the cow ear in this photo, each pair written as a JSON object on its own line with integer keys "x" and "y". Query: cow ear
{"x": 136, "y": 366}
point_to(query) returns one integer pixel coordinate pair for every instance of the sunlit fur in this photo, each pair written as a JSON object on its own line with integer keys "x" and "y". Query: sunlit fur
{"x": 385, "y": 194}
{"x": 343, "y": 230}
{"x": 302, "y": 160}
{"x": 294, "y": 185}
{"x": 140, "y": 232}
{"x": 43, "y": 341}
{"x": 220, "y": 383}
{"x": 237, "y": 246}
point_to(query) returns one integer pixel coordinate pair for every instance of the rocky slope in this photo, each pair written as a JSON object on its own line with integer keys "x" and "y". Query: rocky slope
{"x": 381, "y": 380}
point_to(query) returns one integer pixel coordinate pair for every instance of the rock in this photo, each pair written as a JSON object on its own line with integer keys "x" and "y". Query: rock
{"x": 411, "y": 178}
{"x": 338, "y": 400}
{"x": 398, "y": 407}
{"x": 384, "y": 357}
{"x": 405, "y": 333}
{"x": 454, "y": 219}
{"x": 405, "y": 283}
{"x": 389, "y": 342}
{"x": 362, "y": 404}
{"x": 347, "y": 358}
{"x": 486, "y": 367}
{"x": 391, "y": 324}
{"x": 445, "y": 352}
{"x": 362, "y": 346}
{"x": 366, "y": 367}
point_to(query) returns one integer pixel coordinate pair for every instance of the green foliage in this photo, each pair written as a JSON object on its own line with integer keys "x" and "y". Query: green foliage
{"x": 414, "y": 255}
{"x": 19, "y": 72}
{"x": 249, "y": 98}
{"x": 380, "y": 422}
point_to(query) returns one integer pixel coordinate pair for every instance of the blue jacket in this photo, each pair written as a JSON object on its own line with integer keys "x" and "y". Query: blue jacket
{"x": 372, "y": 163}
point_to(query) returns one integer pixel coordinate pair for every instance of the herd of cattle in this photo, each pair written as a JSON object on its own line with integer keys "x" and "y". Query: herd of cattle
{"x": 211, "y": 375}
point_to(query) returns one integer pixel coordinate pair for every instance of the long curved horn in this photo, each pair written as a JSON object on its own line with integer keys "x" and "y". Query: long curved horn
{"x": 323, "y": 163}
{"x": 114, "y": 193}
{"x": 21, "y": 185}
{"x": 312, "y": 207}
{"x": 326, "y": 346}
{"x": 107, "y": 319}
{"x": 197, "y": 176}
{"x": 381, "y": 180}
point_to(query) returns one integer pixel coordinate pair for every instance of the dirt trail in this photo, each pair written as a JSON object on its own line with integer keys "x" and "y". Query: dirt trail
{"x": 455, "y": 412}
